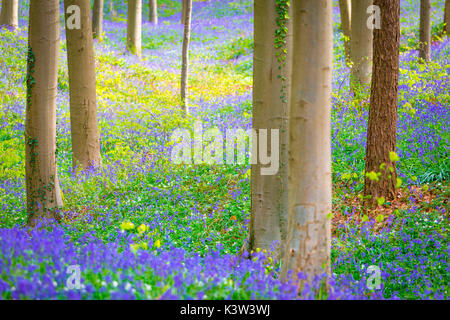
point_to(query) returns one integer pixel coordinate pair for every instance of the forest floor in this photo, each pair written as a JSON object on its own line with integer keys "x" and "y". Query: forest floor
{"x": 145, "y": 228}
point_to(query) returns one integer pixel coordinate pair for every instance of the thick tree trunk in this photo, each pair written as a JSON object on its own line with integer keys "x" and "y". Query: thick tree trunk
{"x": 10, "y": 13}
{"x": 309, "y": 233}
{"x": 346, "y": 16}
{"x": 382, "y": 126}
{"x": 43, "y": 192}
{"x": 97, "y": 20}
{"x": 153, "y": 11}
{"x": 425, "y": 30}
{"x": 134, "y": 27}
{"x": 185, "y": 57}
{"x": 360, "y": 44}
{"x": 83, "y": 102}
{"x": 269, "y": 206}
{"x": 447, "y": 17}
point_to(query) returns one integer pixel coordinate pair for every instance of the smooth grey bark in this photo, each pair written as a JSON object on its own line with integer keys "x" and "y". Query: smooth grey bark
{"x": 307, "y": 248}
{"x": 43, "y": 191}
{"x": 269, "y": 193}
{"x": 97, "y": 19}
{"x": 153, "y": 11}
{"x": 10, "y": 13}
{"x": 134, "y": 27}
{"x": 185, "y": 57}
{"x": 361, "y": 40}
{"x": 82, "y": 89}
{"x": 346, "y": 16}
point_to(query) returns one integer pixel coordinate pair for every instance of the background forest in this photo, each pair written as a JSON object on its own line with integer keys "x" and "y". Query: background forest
{"x": 141, "y": 227}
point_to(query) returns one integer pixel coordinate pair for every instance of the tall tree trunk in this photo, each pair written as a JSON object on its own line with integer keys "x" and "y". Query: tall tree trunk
{"x": 447, "y": 17}
{"x": 83, "y": 102}
{"x": 271, "y": 87}
{"x": 97, "y": 20}
{"x": 183, "y": 12}
{"x": 309, "y": 233}
{"x": 153, "y": 11}
{"x": 346, "y": 16}
{"x": 425, "y": 30}
{"x": 10, "y": 13}
{"x": 134, "y": 27}
{"x": 43, "y": 192}
{"x": 360, "y": 44}
{"x": 185, "y": 57}
{"x": 111, "y": 8}
{"x": 382, "y": 126}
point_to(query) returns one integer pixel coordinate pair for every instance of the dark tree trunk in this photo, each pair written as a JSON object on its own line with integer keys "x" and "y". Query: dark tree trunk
{"x": 382, "y": 126}
{"x": 425, "y": 30}
{"x": 447, "y": 17}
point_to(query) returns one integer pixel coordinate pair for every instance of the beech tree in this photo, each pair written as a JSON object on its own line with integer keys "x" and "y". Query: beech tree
{"x": 83, "y": 102}
{"x": 153, "y": 11}
{"x": 381, "y": 176}
{"x": 360, "y": 44}
{"x": 185, "y": 56}
{"x": 425, "y": 30}
{"x": 271, "y": 85}
{"x": 183, "y": 11}
{"x": 10, "y": 13}
{"x": 111, "y": 8}
{"x": 308, "y": 240}
{"x": 97, "y": 19}
{"x": 43, "y": 191}
{"x": 346, "y": 16}
{"x": 134, "y": 27}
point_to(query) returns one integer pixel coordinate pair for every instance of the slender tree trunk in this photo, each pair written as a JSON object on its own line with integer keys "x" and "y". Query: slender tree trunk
{"x": 185, "y": 57}
{"x": 134, "y": 27}
{"x": 346, "y": 16}
{"x": 447, "y": 17}
{"x": 83, "y": 102}
{"x": 183, "y": 12}
{"x": 153, "y": 11}
{"x": 269, "y": 206}
{"x": 382, "y": 126}
{"x": 97, "y": 20}
{"x": 425, "y": 30}
{"x": 111, "y": 8}
{"x": 360, "y": 44}
{"x": 43, "y": 192}
{"x": 309, "y": 232}
{"x": 10, "y": 13}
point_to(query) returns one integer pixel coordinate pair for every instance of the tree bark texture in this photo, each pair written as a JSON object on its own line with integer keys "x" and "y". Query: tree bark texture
{"x": 185, "y": 57}
{"x": 82, "y": 89}
{"x": 360, "y": 44}
{"x": 382, "y": 124}
{"x": 271, "y": 86}
{"x": 308, "y": 241}
{"x": 134, "y": 27}
{"x": 43, "y": 191}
